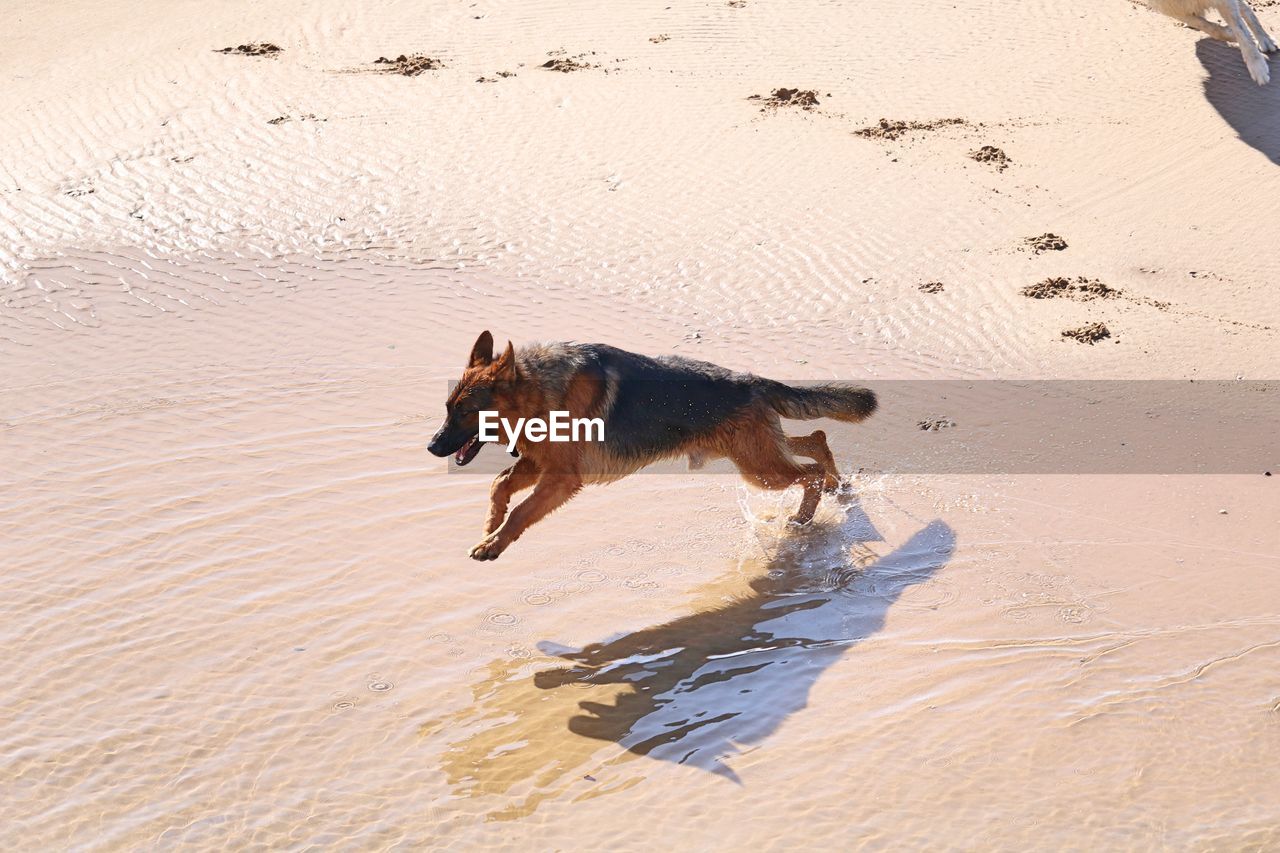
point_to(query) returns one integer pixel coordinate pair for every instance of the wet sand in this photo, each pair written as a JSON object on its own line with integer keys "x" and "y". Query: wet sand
{"x": 236, "y": 593}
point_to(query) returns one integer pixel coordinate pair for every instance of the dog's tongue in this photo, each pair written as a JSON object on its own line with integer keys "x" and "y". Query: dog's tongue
{"x": 461, "y": 456}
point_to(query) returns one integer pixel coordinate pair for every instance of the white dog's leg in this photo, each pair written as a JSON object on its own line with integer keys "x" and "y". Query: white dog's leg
{"x": 1254, "y": 59}
{"x": 1265, "y": 41}
{"x": 1196, "y": 22}
{"x": 1238, "y": 31}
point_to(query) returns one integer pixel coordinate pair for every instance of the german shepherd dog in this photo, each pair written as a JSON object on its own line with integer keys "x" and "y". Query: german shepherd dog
{"x": 652, "y": 409}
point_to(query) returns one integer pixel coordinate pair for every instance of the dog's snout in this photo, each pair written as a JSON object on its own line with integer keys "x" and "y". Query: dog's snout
{"x": 437, "y": 446}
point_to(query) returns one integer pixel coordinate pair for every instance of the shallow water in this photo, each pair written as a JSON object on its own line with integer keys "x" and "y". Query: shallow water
{"x": 239, "y": 610}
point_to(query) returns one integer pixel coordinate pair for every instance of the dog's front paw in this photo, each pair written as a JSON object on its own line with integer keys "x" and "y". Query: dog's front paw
{"x": 487, "y": 549}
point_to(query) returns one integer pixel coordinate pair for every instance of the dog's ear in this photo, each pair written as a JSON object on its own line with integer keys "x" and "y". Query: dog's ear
{"x": 482, "y": 352}
{"x": 505, "y": 367}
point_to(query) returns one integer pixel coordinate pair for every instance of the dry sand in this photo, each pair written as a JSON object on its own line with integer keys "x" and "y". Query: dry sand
{"x": 237, "y": 607}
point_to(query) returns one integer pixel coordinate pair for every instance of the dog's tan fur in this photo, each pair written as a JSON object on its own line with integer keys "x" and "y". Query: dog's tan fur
{"x": 544, "y": 379}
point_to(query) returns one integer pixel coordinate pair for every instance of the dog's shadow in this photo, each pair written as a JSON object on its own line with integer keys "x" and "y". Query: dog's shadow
{"x": 695, "y": 690}
{"x": 1253, "y": 111}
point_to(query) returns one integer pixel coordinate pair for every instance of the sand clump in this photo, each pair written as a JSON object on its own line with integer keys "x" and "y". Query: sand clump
{"x": 257, "y": 48}
{"x": 1089, "y": 334}
{"x": 410, "y": 65}
{"x": 893, "y": 130}
{"x": 285, "y": 119}
{"x": 805, "y": 99}
{"x": 990, "y": 154}
{"x": 935, "y": 424}
{"x": 564, "y": 65}
{"x": 1080, "y": 289}
{"x": 659, "y": 38}
{"x": 1047, "y": 242}
{"x": 931, "y": 287}
{"x": 562, "y": 62}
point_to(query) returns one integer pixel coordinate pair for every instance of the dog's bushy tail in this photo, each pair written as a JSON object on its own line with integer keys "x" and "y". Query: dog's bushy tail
{"x": 829, "y": 400}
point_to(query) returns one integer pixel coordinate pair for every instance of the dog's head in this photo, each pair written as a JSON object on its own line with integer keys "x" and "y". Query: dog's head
{"x": 485, "y": 382}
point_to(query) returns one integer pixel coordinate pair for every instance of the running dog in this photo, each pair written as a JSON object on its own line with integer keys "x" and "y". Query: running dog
{"x": 652, "y": 408}
{"x": 1240, "y": 19}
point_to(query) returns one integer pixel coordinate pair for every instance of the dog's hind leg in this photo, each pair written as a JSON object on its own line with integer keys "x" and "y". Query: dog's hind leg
{"x": 518, "y": 477}
{"x": 811, "y": 479}
{"x": 1204, "y": 25}
{"x": 760, "y": 452}
{"x": 1265, "y": 41}
{"x": 814, "y": 446}
{"x": 1254, "y": 59}
{"x": 550, "y": 493}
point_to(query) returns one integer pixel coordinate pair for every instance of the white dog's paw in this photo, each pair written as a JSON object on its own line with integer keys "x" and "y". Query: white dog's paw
{"x": 1267, "y": 44}
{"x": 1259, "y": 70}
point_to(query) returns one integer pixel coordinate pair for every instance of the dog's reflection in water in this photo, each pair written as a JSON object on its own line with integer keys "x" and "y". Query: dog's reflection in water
{"x": 694, "y": 690}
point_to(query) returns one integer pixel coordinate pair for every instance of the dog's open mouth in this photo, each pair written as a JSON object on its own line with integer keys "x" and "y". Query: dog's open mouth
{"x": 468, "y": 451}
